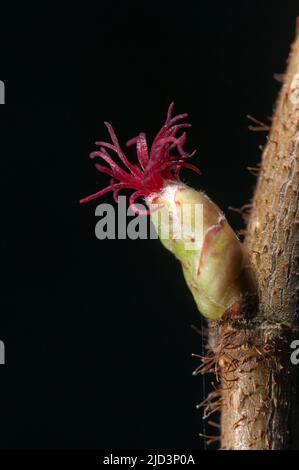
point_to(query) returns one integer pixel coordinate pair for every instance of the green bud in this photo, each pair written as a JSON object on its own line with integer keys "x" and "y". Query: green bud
{"x": 195, "y": 230}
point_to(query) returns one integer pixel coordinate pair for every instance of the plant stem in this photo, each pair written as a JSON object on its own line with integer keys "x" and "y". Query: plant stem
{"x": 254, "y": 353}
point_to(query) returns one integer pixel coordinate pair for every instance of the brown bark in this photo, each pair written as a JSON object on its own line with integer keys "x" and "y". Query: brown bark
{"x": 257, "y": 387}
{"x": 253, "y": 353}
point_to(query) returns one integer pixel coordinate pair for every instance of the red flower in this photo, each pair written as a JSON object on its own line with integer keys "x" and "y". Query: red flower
{"x": 153, "y": 170}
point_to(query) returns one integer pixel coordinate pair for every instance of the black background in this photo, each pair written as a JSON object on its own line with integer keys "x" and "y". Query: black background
{"x": 97, "y": 333}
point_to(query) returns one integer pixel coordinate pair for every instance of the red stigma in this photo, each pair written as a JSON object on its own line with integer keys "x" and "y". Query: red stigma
{"x": 154, "y": 168}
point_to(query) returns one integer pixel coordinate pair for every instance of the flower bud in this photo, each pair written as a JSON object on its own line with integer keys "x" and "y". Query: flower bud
{"x": 189, "y": 224}
{"x": 195, "y": 230}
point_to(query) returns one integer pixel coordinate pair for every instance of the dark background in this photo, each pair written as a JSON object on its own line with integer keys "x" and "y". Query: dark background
{"x": 97, "y": 333}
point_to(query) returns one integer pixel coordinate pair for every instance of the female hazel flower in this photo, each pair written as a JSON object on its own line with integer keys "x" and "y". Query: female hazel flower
{"x": 213, "y": 260}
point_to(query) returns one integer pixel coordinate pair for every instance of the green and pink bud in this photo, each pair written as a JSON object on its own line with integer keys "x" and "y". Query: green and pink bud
{"x": 188, "y": 223}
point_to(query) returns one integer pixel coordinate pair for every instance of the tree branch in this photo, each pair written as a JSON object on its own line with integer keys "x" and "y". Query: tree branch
{"x": 273, "y": 230}
{"x": 253, "y": 352}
